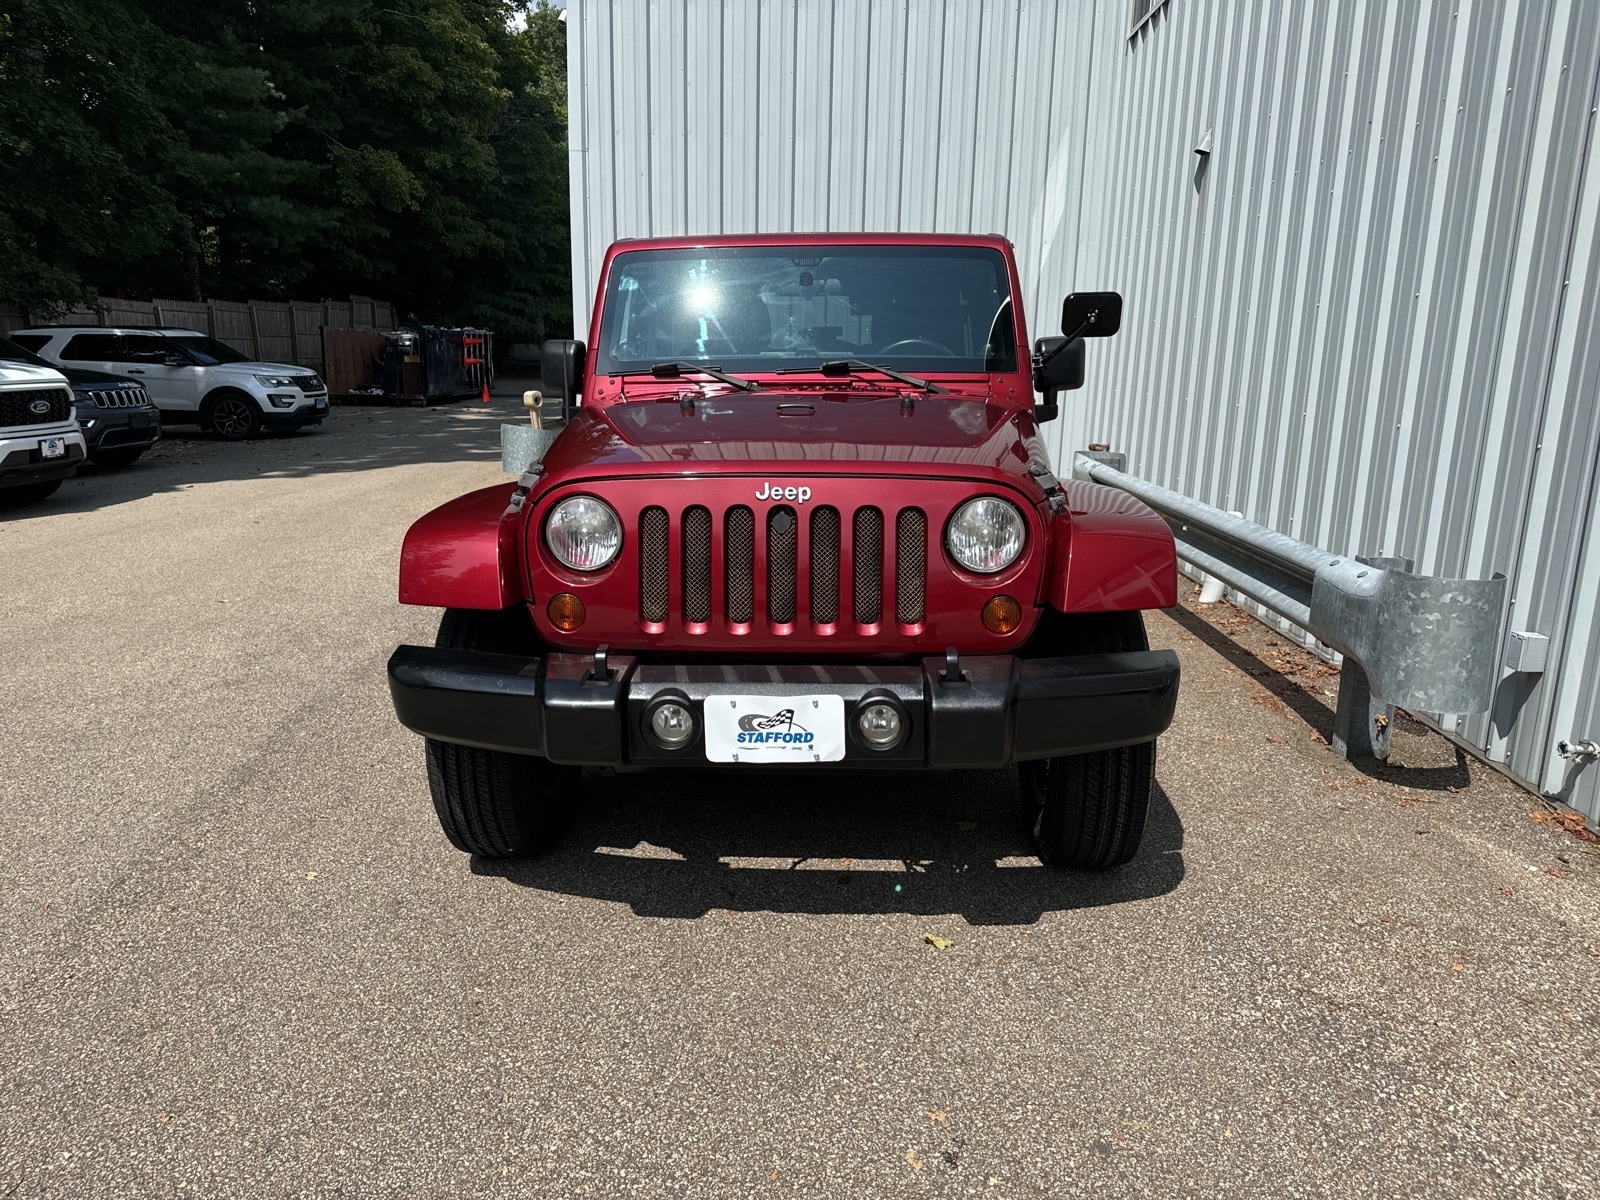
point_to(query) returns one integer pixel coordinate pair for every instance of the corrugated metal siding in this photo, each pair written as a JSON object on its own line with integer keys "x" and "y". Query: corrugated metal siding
{"x": 702, "y": 117}
{"x": 1367, "y": 319}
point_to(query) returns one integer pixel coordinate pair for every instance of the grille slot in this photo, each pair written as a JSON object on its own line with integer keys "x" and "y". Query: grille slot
{"x": 825, "y": 565}
{"x": 783, "y": 541}
{"x": 738, "y": 550}
{"x": 868, "y": 599}
{"x": 910, "y": 563}
{"x": 16, "y": 407}
{"x": 130, "y": 397}
{"x": 697, "y": 564}
{"x": 654, "y": 574}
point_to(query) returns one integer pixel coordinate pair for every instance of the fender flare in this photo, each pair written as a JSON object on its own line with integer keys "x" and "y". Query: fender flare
{"x": 1113, "y": 553}
{"x": 464, "y": 554}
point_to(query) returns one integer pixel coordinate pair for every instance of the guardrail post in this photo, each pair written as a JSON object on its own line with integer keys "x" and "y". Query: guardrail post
{"x": 1362, "y": 724}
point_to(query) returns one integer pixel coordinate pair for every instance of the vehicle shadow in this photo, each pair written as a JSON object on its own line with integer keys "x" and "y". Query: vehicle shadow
{"x": 1319, "y": 716}
{"x": 682, "y": 844}
{"x": 353, "y": 438}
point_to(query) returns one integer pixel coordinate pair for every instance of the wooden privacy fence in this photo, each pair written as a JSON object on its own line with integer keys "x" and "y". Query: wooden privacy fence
{"x": 266, "y": 330}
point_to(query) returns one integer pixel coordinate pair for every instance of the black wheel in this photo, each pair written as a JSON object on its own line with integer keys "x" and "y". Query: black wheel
{"x": 1088, "y": 810}
{"x": 491, "y": 803}
{"x": 233, "y": 416}
{"x": 112, "y": 459}
{"x": 29, "y": 493}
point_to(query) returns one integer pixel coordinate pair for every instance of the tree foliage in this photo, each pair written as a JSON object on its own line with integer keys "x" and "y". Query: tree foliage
{"x": 411, "y": 149}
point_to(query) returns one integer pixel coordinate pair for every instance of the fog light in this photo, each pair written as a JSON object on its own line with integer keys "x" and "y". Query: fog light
{"x": 281, "y": 401}
{"x": 1001, "y": 614}
{"x": 880, "y": 725}
{"x": 565, "y": 611}
{"x": 672, "y": 725}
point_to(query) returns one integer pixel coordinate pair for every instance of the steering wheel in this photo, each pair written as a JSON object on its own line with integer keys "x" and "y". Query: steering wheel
{"x": 936, "y": 347}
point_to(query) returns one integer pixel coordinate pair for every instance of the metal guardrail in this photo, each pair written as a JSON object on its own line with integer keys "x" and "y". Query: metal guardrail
{"x": 1416, "y": 641}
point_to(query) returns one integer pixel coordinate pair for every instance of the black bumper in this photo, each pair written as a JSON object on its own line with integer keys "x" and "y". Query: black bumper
{"x": 1002, "y": 710}
{"x": 120, "y": 428}
{"x": 294, "y": 418}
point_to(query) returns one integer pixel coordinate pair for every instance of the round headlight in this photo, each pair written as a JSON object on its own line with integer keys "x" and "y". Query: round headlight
{"x": 583, "y": 533}
{"x": 986, "y": 535}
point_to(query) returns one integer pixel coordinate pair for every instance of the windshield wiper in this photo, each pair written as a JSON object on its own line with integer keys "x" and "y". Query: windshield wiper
{"x": 675, "y": 370}
{"x": 854, "y": 366}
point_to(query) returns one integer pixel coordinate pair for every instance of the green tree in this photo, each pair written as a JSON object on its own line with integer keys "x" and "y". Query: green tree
{"x": 412, "y": 149}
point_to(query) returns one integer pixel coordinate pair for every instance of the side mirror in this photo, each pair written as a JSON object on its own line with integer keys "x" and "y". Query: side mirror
{"x": 173, "y": 360}
{"x": 1058, "y": 367}
{"x": 561, "y": 363}
{"x": 1091, "y": 314}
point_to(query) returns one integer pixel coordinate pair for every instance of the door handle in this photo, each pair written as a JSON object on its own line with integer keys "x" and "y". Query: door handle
{"x": 135, "y": 371}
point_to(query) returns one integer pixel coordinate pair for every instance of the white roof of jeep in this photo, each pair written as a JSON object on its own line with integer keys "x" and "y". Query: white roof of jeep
{"x": 13, "y": 374}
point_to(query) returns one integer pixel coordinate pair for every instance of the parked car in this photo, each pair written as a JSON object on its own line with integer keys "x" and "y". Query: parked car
{"x": 115, "y": 415}
{"x": 802, "y": 520}
{"x": 40, "y": 445}
{"x": 191, "y": 377}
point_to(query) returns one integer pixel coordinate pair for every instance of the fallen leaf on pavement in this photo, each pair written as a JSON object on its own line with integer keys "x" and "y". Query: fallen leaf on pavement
{"x": 937, "y": 942}
{"x": 1278, "y": 741}
{"x": 914, "y": 1159}
{"x": 940, "y": 1116}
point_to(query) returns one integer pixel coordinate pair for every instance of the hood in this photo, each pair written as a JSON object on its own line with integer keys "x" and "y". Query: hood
{"x": 21, "y": 375}
{"x": 806, "y": 432}
{"x": 96, "y": 379}
{"x": 263, "y": 368}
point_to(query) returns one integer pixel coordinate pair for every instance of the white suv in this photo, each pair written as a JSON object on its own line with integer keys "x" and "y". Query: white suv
{"x": 40, "y": 443}
{"x": 191, "y": 377}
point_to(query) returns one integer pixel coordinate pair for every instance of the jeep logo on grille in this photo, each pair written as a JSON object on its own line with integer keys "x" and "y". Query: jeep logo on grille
{"x": 43, "y": 406}
{"x": 772, "y": 491}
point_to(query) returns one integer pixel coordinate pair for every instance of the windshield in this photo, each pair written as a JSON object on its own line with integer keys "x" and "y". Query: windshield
{"x": 11, "y": 352}
{"x": 761, "y": 308}
{"x": 208, "y": 352}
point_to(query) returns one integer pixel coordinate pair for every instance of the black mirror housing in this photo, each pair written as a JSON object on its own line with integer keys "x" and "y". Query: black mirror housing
{"x": 1091, "y": 314}
{"x": 561, "y": 363}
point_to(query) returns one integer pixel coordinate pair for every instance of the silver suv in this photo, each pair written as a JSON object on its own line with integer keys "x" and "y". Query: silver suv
{"x": 191, "y": 377}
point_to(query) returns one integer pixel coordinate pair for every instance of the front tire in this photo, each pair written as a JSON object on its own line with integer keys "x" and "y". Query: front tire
{"x": 30, "y": 493}
{"x": 232, "y": 416}
{"x": 1088, "y": 810}
{"x": 491, "y": 803}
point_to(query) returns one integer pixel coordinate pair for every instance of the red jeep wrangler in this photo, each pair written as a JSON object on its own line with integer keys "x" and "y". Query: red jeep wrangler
{"x": 802, "y": 520}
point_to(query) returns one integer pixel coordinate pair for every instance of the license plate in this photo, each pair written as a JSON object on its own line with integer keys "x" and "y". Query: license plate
{"x": 322, "y": 402}
{"x": 139, "y": 420}
{"x": 52, "y": 447}
{"x": 774, "y": 729}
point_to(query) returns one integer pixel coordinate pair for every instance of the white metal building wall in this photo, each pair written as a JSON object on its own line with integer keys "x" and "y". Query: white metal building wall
{"x": 700, "y": 116}
{"x": 1368, "y": 318}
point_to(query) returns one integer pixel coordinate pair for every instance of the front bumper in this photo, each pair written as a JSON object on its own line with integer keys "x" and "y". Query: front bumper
{"x": 313, "y": 413}
{"x": 120, "y": 428}
{"x": 23, "y": 462}
{"x": 1002, "y": 709}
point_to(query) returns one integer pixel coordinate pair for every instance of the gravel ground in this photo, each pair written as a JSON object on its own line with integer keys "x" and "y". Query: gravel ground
{"x": 239, "y": 959}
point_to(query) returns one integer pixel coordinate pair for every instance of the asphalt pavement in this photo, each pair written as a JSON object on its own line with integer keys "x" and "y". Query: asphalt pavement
{"x": 238, "y": 958}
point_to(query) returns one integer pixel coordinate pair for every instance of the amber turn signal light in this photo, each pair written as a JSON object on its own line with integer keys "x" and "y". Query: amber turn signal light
{"x": 1001, "y": 614}
{"x": 566, "y": 611}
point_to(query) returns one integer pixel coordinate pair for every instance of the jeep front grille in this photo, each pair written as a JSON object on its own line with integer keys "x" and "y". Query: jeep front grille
{"x": 793, "y": 565}
{"x": 17, "y": 408}
{"x": 115, "y": 397}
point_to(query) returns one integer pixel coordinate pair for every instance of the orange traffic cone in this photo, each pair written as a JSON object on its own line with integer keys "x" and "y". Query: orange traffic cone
{"x": 486, "y": 391}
